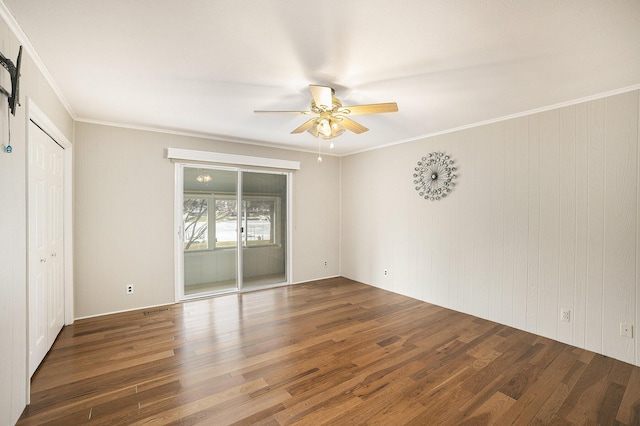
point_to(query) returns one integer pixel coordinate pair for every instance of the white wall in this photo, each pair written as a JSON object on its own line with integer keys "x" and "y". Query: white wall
{"x": 123, "y": 211}
{"x": 544, "y": 216}
{"x": 13, "y": 223}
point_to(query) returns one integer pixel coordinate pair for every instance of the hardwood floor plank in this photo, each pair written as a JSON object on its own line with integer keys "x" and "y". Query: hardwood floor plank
{"x": 332, "y": 352}
{"x": 210, "y": 403}
{"x": 541, "y": 385}
{"x": 547, "y": 412}
{"x": 443, "y": 409}
{"x": 305, "y": 404}
{"x": 491, "y": 410}
{"x": 610, "y": 403}
{"x": 629, "y": 410}
{"x": 247, "y": 412}
{"x": 584, "y": 397}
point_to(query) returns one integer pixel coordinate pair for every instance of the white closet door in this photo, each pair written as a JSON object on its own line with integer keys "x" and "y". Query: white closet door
{"x": 46, "y": 260}
{"x": 55, "y": 263}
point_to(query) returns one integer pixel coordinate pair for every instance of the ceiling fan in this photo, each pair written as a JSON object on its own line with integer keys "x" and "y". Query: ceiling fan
{"x": 331, "y": 117}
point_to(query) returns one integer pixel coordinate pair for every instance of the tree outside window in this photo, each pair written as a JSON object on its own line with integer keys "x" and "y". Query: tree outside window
{"x": 258, "y": 222}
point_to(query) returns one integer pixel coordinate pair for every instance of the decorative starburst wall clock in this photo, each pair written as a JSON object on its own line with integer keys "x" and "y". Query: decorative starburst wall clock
{"x": 434, "y": 176}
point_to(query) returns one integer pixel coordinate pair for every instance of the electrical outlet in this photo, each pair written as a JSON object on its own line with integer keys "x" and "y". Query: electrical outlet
{"x": 565, "y": 315}
{"x": 129, "y": 288}
{"x": 325, "y": 263}
{"x": 626, "y": 330}
{"x": 386, "y": 272}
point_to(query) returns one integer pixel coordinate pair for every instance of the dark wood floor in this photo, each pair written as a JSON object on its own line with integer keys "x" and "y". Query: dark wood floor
{"x": 329, "y": 352}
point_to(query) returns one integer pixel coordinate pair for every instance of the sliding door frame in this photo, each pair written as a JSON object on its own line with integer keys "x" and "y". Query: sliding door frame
{"x": 235, "y": 163}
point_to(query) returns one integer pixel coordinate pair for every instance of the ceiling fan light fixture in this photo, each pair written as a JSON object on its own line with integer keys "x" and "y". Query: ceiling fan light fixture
{"x": 327, "y": 127}
{"x": 324, "y": 128}
{"x": 332, "y": 117}
{"x": 336, "y": 126}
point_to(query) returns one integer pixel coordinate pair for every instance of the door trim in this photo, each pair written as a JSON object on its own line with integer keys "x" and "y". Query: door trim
{"x": 179, "y": 154}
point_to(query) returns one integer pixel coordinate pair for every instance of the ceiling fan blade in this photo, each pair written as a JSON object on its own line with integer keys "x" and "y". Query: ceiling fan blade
{"x": 370, "y": 108}
{"x": 321, "y": 95}
{"x": 349, "y": 124}
{"x": 261, "y": 111}
{"x": 304, "y": 127}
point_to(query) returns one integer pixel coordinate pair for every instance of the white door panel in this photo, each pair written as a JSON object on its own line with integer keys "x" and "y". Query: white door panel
{"x": 46, "y": 260}
{"x": 54, "y": 264}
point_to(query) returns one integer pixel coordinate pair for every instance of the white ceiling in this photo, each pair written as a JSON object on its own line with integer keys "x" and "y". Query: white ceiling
{"x": 203, "y": 66}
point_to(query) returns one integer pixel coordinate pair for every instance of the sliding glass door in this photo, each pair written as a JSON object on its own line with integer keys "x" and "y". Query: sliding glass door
{"x": 264, "y": 240}
{"x": 210, "y": 223}
{"x": 218, "y": 219}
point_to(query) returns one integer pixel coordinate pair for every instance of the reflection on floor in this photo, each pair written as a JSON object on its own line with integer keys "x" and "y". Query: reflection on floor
{"x": 230, "y": 285}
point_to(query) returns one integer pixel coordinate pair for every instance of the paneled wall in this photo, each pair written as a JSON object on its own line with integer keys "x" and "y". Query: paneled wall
{"x": 13, "y": 214}
{"x": 124, "y": 225}
{"x": 544, "y": 217}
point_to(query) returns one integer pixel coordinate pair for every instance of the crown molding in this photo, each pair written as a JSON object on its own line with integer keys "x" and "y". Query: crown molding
{"x": 15, "y": 28}
{"x": 203, "y": 135}
{"x": 507, "y": 117}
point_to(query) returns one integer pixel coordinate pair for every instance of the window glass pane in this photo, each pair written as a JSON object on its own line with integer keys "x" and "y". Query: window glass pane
{"x": 226, "y": 223}
{"x": 259, "y": 222}
{"x": 195, "y": 220}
